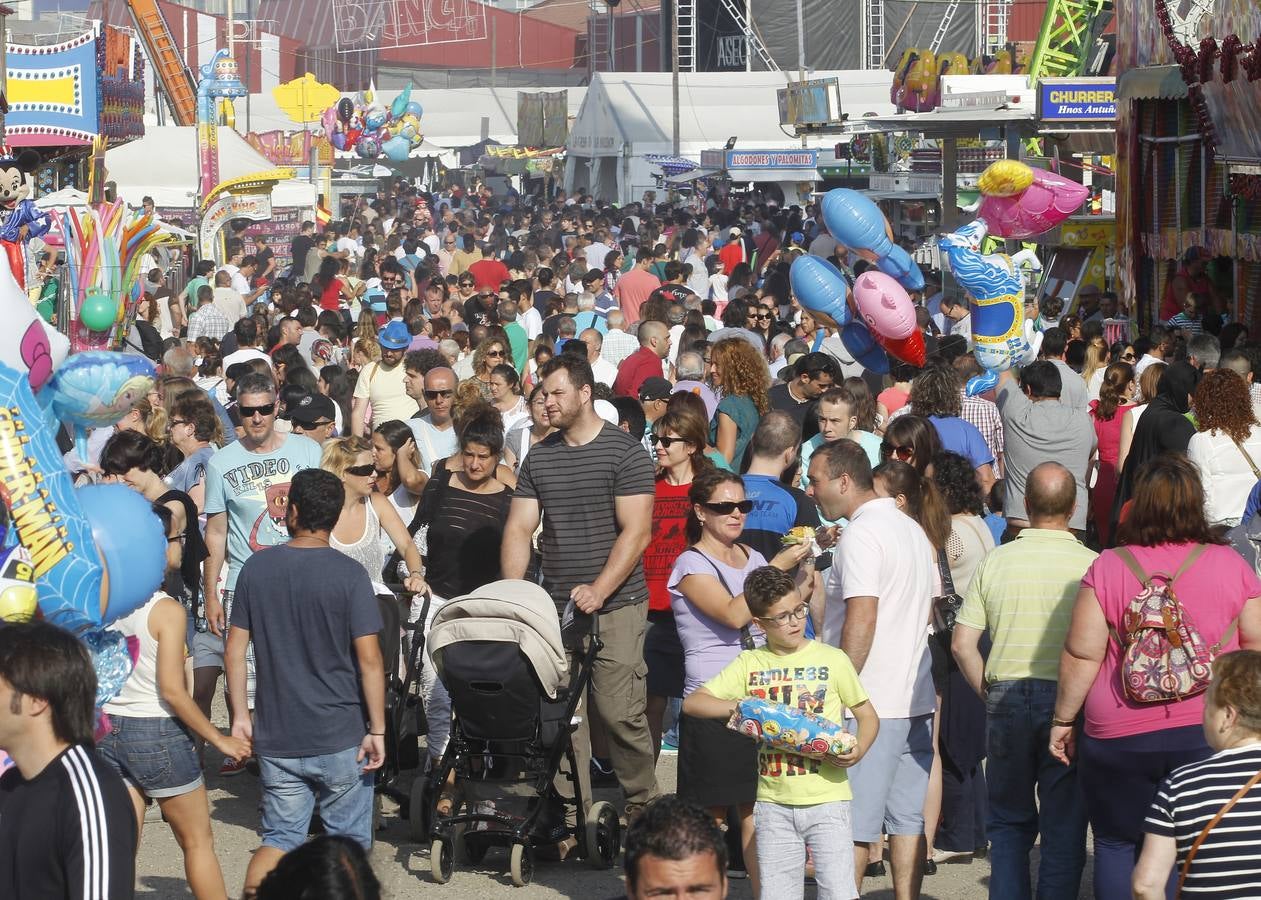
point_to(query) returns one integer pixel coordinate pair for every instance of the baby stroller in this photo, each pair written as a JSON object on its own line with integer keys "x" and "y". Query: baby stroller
{"x": 499, "y": 653}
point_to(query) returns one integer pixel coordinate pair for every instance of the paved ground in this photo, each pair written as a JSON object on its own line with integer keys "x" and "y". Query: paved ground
{"x": 403, "y": 867}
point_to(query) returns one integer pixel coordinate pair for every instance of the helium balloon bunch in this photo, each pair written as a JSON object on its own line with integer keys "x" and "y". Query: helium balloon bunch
{"x": 876, "y": 317}
{"x": 104, "y": 250}
{"x": 371, "y": 130}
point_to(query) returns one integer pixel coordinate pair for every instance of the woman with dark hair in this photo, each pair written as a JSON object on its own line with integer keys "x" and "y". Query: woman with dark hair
{"x": 612, "y": 269}
{"x": 1107, "y": 413}
{"x": 389, "y": 439}
{"x": 285, "y": 359}
{"x": 717, "y": 767}
{"x": 194, "y": 430}
{"x": 463, "y": 511}
{"x": 336, "y": 384}
{"x": 1126, "y": 748}
{"x": 1227, "y": 448}
{"x": 522, "y": 437}
{"x": 686, "y": 401}
{"x": 327, "y": 867}
{"x": 912, "y": 440}
{"x": 327, "y": 284}
{"x": 505, "y": 395}
{"x": 679, "y": 437}
{"x": 1163, "y": 428}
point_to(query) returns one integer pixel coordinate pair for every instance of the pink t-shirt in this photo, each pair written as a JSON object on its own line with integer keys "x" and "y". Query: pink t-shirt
{"x": 1212, "y": 591}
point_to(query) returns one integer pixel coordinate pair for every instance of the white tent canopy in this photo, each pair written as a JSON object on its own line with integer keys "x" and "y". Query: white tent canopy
{"x": 164, "y": 165}
{"x": 627, "y": 116}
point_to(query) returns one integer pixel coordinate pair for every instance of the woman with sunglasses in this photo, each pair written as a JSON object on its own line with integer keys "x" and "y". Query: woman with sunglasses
{"x": 717, "y": 767}
{"x": 491, "y": 352}
{"x": 679, "y": 440}
{"x": 1107, "y": 414}
{"x": 525, "y": 434}
{"x": 367, "y": 514}
{"x": 912, "y": 440}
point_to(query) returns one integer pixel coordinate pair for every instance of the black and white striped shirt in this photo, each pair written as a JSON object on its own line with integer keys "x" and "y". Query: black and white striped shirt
{"x": 68, "y": 832}
{"x": 1228, "y": 863}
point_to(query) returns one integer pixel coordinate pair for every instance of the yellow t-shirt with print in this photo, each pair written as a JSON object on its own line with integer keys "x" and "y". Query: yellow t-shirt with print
{"x": 817, "y": 678}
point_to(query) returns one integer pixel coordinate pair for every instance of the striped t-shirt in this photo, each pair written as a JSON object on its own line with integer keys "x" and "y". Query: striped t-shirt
{"x": 1022, "y": 593}
{"x": 1228, "y": 863}
{"x": 577, "y": 488}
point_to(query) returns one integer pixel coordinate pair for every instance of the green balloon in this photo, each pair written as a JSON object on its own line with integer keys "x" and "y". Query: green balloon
{"x": 98, "y": 312}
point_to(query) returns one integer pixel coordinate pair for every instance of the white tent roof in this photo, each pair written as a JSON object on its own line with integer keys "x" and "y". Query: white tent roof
{"x": 164, "y": 165}
{"x": 452, "y": 117}
{"x": 637, "y": 109}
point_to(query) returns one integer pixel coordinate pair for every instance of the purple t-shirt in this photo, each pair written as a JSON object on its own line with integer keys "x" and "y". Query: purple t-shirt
{"x": 707, "y": 645}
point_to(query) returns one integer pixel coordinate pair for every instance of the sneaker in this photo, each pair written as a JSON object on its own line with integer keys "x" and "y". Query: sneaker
{"x": 952, "y": 856}
{"x": 669, "y": 748}
{"x": 231, "y": 767}
{"x": 602, "y": 774}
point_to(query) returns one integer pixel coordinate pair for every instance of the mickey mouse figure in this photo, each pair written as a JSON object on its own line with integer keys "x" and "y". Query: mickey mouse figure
{"x": 20, "y": 218}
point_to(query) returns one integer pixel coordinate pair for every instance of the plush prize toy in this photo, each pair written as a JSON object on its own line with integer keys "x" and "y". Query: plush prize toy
{"x": 17, "y": 209}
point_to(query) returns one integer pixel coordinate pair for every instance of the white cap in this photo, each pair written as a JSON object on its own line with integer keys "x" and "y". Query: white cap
{"x": 606, "y": 411}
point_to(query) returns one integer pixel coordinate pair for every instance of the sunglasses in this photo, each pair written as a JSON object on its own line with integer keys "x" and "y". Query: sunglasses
{"x": 466, "y": 284}
{"x": 249, "y": 412}
{"x": 667, "y": 442}
{"x": 902, "y": 453}
{"x": 727, "y": 507}
{"x": 365, "y": 469}
{"x": 175, "y": 422}
{"x": 434, "y": 395}
{"x": 781, "y": 620}
{"x": 1127, "y": 357}
{"x": 765, "y": 317}
{"x": 498, "y": 353}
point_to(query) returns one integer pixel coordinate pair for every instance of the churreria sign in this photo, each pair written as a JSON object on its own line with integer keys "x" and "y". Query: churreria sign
{"x": 1077, "y": 100}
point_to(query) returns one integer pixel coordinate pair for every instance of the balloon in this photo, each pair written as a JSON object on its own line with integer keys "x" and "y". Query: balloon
{"x": 399, "y": 107}
{"x": 1001, "y": 336}
{"x": 397, "y": 148}
{"x": 858, "y": 341}
{"x": 339, "y": 140}
{"x": 1020, "y": 202}
{"x": 98, "y": 312}
{"x": 819, "y": 287}
{"x": 856, "y": 222}
{"x": 415, "y": 109}
{"x": 329, "y": 120}
{"x": 18, "y": 598}
{"x": 367, "y": 148}
{"x": 374, "y": 119}
{"x": 27, "y": 342}
{"x": 884, "y": 305}
{"x": 52, "y": 525}
{"x": 345, "y": 108}
{"x": 96, "y": 389}
{"x": 909, "y": 349}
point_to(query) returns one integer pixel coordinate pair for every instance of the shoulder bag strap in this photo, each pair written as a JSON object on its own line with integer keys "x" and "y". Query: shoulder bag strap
{"x": 1247, "y": 456}
{"x": 943, "y": 566}
{"x": 1212, "y": 823}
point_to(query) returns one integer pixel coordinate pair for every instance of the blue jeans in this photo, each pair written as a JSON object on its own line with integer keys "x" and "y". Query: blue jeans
{"x": 1017, "y": 736}
{"x": 291, "y": 786}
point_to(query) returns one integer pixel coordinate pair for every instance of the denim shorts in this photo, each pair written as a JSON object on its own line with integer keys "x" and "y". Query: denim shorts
{"x": 154, "y": 755}
{"x": 291, "y": 785}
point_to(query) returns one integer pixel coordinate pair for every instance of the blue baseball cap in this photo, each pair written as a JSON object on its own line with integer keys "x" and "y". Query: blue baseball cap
{"x": 395, "y": 336}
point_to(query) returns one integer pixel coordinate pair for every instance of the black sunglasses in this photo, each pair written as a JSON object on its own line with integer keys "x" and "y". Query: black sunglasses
{"x": 667, "y": 442}
{"x": 902, "y": 453}
{"x": 727, "y": 507}
{"x": 434, "y": 395}
{"x": 248, "y": 412}
{"x": 365, "y": 469}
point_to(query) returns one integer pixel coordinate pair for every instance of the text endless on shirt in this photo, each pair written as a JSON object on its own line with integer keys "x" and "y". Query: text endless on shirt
{"x": 577, "y": 488}
{"x": 816, "y": 678}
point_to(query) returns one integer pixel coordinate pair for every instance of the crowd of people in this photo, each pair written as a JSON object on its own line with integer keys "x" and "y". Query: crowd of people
{"x": 630, "y": 407}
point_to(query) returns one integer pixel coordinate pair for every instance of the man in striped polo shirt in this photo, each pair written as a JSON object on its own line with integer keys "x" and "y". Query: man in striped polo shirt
{"x": 1022, "y": 594}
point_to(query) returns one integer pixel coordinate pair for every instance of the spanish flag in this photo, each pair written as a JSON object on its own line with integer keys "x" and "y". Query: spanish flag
{"x": 322, "y": 215}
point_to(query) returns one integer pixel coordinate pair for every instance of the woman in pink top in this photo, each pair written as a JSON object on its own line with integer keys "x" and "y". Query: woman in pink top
{"x": 1126, "y": 749}
{"x": 1106, "y": 414}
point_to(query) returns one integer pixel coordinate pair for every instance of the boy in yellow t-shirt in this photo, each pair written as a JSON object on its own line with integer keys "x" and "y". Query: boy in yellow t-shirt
{"x": 801, "y": 802}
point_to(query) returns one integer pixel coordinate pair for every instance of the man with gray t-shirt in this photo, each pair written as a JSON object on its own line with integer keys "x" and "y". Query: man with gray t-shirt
{"x": 592, "y": 485}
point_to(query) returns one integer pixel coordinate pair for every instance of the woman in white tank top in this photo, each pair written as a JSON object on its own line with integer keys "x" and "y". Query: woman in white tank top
{"x": 150, "y": 742}
{"x": 367, "y": 514}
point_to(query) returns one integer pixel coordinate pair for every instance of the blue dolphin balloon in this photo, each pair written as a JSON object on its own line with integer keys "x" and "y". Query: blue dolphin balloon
{"x": 857, "y": 222}
{"x": 821, "y": 288}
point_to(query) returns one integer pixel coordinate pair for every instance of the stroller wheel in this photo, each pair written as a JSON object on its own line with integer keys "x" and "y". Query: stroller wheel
{"x": 521, "y": 864}
{"x": 418, "y": 810}
{"x": 604, "y": 835}
{"x": 441, "y": 861}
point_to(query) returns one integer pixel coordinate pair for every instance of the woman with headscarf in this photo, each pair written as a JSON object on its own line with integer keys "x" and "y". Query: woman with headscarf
{"x": 1164, "y": 428}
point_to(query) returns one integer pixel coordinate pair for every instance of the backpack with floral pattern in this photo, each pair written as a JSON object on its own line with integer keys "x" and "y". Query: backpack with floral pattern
{"x": 1163, "y": 655}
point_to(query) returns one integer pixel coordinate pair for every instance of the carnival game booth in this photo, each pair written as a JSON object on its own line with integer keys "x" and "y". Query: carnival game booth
{"x": 626, "y": 121}
{"x": 178, "y": 196}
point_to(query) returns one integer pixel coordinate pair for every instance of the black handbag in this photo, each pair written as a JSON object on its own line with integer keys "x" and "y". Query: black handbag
{"x": 946, "y": 606}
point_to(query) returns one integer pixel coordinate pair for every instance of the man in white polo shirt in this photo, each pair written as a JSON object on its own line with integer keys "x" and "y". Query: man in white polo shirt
{"x": 878, "y": 598}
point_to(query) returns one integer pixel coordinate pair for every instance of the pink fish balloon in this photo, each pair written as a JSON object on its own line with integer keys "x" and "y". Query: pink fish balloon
{"x": 884, "y": 305}
{"x": 1021, "y": 202}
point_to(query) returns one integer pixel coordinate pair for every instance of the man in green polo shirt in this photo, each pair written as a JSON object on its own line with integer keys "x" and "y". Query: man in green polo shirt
{"x": 1022, "y": 594}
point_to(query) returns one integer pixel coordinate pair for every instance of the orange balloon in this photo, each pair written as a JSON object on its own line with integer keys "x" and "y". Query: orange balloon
{"x": 908, "y": 349}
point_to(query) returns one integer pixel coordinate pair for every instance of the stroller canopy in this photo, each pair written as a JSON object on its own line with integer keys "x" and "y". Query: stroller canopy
{"x": 518, "y": 612}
